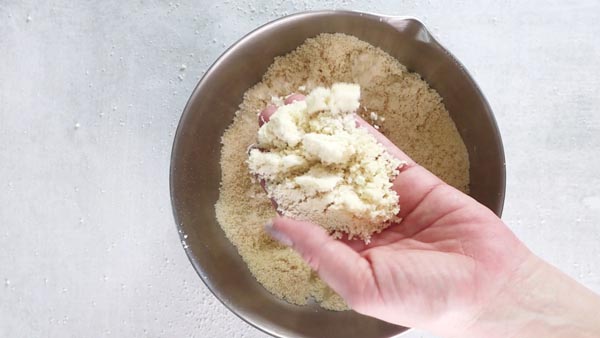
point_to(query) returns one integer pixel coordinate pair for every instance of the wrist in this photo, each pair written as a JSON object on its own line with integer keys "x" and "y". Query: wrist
{"x": 538, "y": 300}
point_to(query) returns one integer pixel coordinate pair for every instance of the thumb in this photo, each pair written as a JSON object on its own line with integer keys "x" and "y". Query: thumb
{"x": 342, "y": 268}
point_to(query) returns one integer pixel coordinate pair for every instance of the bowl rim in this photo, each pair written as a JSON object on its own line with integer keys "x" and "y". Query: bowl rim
{"x": 392, "y": 20}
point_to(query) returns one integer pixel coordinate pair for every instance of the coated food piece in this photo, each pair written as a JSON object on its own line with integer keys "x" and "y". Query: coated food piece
{"x": 318, "y": 166}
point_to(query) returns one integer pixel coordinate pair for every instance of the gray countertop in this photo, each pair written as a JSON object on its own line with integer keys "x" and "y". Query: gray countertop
{"x": 90, "y": 96}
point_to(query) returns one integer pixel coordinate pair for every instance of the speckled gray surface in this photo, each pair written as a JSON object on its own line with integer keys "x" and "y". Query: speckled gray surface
{"x": 90, "y": 96}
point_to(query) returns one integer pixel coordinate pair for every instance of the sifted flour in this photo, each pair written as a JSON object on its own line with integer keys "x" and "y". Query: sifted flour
{"x": 399, "y": 103}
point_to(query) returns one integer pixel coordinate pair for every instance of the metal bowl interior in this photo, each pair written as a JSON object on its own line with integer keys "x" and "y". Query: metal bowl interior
{"x": 195, "y": 170}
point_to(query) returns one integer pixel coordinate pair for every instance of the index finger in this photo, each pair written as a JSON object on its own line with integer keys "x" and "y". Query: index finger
{"x": 266, "y": 113}
{"x": 384, "y": 141}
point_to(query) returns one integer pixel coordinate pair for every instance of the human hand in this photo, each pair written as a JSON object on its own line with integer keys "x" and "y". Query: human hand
{"x": 451, "y": 266}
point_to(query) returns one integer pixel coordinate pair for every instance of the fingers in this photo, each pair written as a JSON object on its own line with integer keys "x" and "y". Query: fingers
{"x": 423, "y": 197}
{"x": 293, "y": 98}
{"x": 266, "y": 113}
{"x": 414, "y": 183}
{"x": 387, "y": 144}
{"x": 420, "y": 205}
{"x": 342, "y": 268}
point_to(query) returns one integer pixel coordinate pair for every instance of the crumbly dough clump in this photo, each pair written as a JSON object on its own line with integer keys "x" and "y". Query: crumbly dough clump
{"x": 409, "y": 112}
{"x": 318, "y": 166}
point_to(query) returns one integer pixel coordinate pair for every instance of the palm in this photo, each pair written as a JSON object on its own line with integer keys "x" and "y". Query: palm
{"x": 436, "y": 260}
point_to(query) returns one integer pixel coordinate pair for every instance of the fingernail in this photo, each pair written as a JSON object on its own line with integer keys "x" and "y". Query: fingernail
{"x": 276, "y": 235}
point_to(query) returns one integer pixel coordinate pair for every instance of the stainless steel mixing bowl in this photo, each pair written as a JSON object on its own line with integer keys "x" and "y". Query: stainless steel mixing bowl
{"x": 195, "y": 170}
